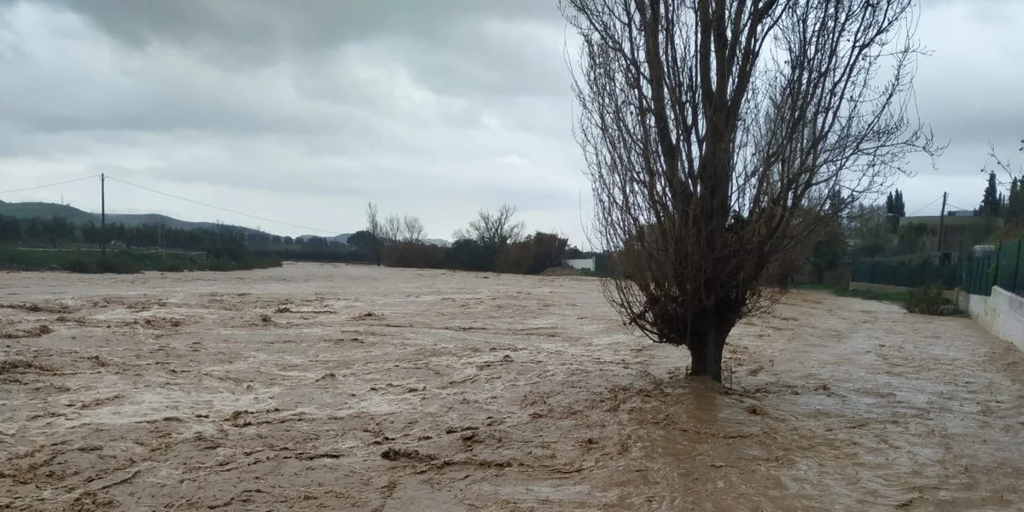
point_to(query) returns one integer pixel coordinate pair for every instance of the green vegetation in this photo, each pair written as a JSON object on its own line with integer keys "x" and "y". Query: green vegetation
{"x": 121, "y": 262}
{"x": 842, "y": 291}
{"x": 492, "y": 243}
{"x": 929, "y": 300}
{"x": 124, "y": 262}
{"x": 58, "y": 244}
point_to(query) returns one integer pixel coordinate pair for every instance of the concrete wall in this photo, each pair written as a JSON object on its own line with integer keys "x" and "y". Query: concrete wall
{"x": 582, "y": 264}
{"x": 1001, "y": 314}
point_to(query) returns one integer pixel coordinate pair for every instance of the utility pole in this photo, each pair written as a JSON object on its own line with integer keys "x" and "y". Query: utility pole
{"x": 942, "y": 224}
{"x": 103, "y": 212}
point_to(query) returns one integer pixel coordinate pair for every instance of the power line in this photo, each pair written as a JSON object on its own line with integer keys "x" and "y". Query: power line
{"x": 109, "y": 177}
{"x": 937, "y": 199}
{"x": 50, "y": 184}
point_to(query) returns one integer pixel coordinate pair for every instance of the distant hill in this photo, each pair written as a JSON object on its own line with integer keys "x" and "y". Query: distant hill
{"x": 46, "y": 210}
{"x": 76, "y": 216}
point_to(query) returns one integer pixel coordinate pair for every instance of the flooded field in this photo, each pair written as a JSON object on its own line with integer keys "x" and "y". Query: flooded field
{"x": 316, "y": 387}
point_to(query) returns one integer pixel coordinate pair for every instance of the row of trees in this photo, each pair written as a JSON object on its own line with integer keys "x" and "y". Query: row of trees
{"x": 58, "y": 232}
{"x": 224, "y": 244}
{"x": 493, "y": 241}
{"x": 38, "y": 231}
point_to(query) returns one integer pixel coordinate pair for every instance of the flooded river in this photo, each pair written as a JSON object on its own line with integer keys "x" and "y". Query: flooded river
{"x": 317, "y": 387}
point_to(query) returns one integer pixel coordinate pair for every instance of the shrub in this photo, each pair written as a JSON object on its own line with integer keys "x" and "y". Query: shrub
{"x": 533, "y": 255}
{"x": 414, "y": 255}
{"x": 928, "y": 300}
{"x": 470, "y": 255}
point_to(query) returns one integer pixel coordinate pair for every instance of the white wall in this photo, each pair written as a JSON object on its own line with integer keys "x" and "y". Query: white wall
{"x": 1001, "y": 314}
{"x": 582, "y": 264}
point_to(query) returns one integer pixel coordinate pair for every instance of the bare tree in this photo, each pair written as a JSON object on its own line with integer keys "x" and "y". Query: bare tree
{"x": 413, "y": 230}
{"x": 1005, "y": 166}
{"x": 494, "y": 229}
{"x": 391, "y": 230}
{"x": 717, "y": 135}
{"x": 374, "y": 226}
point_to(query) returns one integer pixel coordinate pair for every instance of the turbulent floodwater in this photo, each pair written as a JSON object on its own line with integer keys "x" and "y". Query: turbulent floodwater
{"x": 316, "y": 387}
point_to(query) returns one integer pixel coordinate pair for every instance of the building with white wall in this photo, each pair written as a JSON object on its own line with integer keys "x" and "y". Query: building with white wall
{"x": 582, "y": 264}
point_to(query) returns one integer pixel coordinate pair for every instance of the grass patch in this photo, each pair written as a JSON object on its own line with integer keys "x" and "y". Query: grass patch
{"x": 893, "y": 297}
{"x": 926, "y": 300}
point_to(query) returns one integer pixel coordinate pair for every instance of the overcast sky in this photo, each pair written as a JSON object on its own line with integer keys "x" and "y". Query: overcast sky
{"x": 302, "y": 111}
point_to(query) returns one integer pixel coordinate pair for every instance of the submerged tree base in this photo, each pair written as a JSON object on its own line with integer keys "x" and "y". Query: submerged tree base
{"x": 706, "y": 361}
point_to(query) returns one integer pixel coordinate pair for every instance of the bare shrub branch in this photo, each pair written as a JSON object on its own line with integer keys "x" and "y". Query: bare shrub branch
{"x": 493, "y": 229}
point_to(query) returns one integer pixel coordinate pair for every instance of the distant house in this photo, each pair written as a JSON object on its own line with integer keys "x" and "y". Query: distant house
{"x": 582, "y": 263}
{"x": 960, "y": 232}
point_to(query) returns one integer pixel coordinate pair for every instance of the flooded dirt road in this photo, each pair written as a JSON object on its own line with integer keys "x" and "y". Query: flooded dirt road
{"x": 316, "y": 387}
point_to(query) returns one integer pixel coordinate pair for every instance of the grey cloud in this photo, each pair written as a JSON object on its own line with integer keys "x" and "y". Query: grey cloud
{"x": 307, "y": 25}
{"x": 447, "y": 42}
{"x": 423, "y": 106}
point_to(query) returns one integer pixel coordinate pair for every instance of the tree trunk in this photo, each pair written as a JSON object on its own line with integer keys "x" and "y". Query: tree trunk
{"x": 707, "y": 344}
{"x": 706, "y": 358}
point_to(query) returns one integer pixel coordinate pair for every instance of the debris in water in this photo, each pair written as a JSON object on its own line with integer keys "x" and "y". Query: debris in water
{"x": 326, "y": 376}
{"x": 13, "y": 364}
{"x": 34, "y": 332}
{"x": 396, "y": 454}
{"x": 456, "y": 430}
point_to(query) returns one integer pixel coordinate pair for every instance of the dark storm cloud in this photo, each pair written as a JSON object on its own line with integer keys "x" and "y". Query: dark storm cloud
{"x": 453, "y": 43}
{"x": 307, "y": 25}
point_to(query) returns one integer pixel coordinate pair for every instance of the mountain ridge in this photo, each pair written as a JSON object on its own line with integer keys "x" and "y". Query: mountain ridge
{"x": 28, "y": 210}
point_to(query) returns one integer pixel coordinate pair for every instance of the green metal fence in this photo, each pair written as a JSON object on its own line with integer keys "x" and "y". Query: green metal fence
{"x": 907, "y": 276}
{"x": 977, "y": 276}
{"x": 1003, "y": 268}
{"x": 1009, "y": 268}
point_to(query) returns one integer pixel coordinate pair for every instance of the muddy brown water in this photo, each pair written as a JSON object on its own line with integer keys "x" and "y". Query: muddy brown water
{"x": 318, "y": 387}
